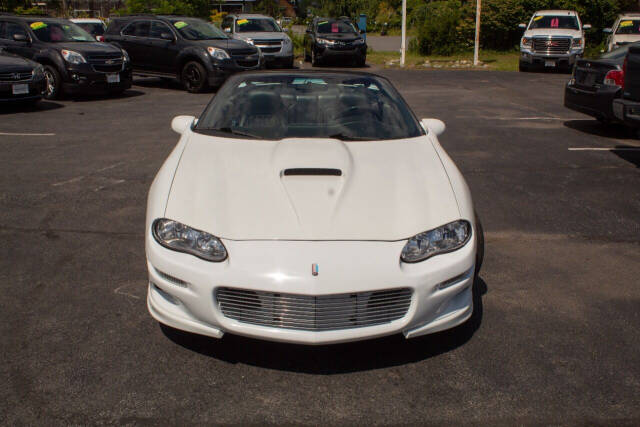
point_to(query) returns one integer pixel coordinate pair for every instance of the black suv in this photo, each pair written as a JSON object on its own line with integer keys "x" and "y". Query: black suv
{"x": 190, "y": 49}
{"x": 334, "y": 38}
{"x": 73, "y": 60}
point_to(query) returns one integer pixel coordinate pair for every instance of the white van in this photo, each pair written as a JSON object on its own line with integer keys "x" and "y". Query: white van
{"x": 625, "y": 30}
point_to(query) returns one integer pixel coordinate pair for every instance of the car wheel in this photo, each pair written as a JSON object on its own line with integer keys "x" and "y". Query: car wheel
{"x": 53, "y": 82}
{"x": 522, "y": 68}
{"x": 315, "y": 59}
{"x": 361, "y": 62}
{"x": 480, "y": 245}
{"x": 194, "y": 77}
{"x": 289, "y": 63}
{"x": 306, "y": 55}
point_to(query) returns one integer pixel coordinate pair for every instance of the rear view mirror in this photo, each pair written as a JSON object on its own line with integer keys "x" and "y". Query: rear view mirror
{"x": 523, "y": 26}
{"x": 586, "y": 27}
{"x": 434, "y": 125}
{"x": 607, "y": 30}
{"x": 181, "y": 124}
{"x": 20, "y": 37}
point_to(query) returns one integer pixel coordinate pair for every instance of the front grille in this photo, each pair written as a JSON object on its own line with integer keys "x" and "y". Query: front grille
{"x": 247, "y": 63}
{"x": 554, "y": 45}
{"x": 15, "y": 77}
{"x": 106, "y": 63}
{"x": 268, "y": 42}
{"x": 314, "y": 313}
{"x": 270, "y": 49}
{"x": 243, "y": 52}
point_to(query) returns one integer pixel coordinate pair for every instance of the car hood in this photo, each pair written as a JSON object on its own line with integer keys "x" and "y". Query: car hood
{"x": 227, "y": 44}
{"x": 263, "y": 35}
{"x": 237, "y": 189}
{"x": 626, "y": 38}
{"x": 11, "y": 64}
{"x": 88, "y": 48}
{"x": 554, "y": 32}
{"x": 341, "y": 37}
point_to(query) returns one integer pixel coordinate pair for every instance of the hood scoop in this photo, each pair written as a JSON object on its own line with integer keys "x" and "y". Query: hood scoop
{"x": 312, "y": 172}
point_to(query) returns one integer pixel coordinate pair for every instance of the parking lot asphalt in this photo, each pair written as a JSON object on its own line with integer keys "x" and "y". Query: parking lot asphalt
{"x": 555, "y": 337}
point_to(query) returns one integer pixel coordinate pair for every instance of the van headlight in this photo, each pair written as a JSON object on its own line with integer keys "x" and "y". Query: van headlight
{"x": 526, "y": 42}
{"x": 182, "y": 238}
{"x": 72, "y": 57}
{"x": 446, "y": 238}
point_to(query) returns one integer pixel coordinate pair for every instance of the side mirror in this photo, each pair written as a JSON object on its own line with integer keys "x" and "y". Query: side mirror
{"x": 523, "y": 26}
{"x": 586, "y": 27}
{"x": 607, "y": 30}
{"x": 181, "y": 124}
{"x": 227, "y": 29}
{"x": 167, "y": 36}
{"x": 434, "y": 125}
{"x": 20, "y": 37}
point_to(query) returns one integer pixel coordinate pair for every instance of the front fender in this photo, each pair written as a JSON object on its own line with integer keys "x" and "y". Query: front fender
{"x": 194, "y": 52}
{"x": 53, "y": 57}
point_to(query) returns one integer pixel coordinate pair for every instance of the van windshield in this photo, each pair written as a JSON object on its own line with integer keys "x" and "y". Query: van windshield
{"x": 629, "y": 26}
{"x": 59, "y": 32}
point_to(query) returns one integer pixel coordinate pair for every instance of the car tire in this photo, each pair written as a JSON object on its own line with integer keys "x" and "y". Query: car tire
{"x": 194, "y": 77}
{"x": 315, "y": 59}
{"x": 522, "y": 68}
{"x": 361, "y": 62}
{"x": 479, "y": 244}
{"x": 289, "y": 63}
{"x": 307, "y": 58}
{"x": 53, "y": 83}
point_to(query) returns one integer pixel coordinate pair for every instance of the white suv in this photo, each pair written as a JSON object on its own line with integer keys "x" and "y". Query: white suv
{"x": 625, "y": 30}
{"x": 553, "y": 38}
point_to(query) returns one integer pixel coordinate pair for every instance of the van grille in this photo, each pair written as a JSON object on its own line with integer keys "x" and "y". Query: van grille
{"x": 314, "y": 313}
{"x": 106, "y": 63}
{"x": 552, "y": 45}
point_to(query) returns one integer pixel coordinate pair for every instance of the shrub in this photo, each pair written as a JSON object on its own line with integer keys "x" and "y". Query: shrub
{"x": 445, "y": 30}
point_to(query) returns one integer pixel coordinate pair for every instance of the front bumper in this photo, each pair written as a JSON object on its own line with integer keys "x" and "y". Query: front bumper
{"x": 189, "y": 303}
{"x": 220, "y": 70}
{"x": 36, "y": 87}
{"x": 329, "y": 52}
{"x": 597, "y": 103}
{"x": 82, "y": 78}
{"x": 540, "y": 59}
{"x": 627, "y": 111}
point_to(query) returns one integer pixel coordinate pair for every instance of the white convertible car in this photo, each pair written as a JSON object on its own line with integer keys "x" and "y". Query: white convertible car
{"x": 310, "y": 207}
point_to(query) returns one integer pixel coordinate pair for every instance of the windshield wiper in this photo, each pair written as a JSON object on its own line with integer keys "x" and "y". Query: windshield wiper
{"x": 344, "y": 137}
{"x": 236, "y": 132}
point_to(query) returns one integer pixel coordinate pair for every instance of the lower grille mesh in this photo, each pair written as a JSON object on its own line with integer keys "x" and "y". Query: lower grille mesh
{"x": 314, "y": 313}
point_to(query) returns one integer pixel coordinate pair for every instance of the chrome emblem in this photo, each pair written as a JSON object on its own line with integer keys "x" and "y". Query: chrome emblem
{"x": 549, "y": 43}
{"x": 314, "y": 269}
{"x": 16, "y": 76}
{"x": 108, "y": 61}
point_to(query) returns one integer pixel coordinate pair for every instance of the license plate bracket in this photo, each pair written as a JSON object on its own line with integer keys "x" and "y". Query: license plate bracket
{"x": 550, "y": 63}
{"x": 113, "y": 78}
{"x": 20, "y": 89}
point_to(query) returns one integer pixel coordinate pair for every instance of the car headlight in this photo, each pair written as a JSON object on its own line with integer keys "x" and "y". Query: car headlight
{"x": 577, "y": 43}
{"x": 182, "y": 238}
{"x": 440, "y": 240}
{"x": 526, "y": 42}
{"x": 217, "y": 53}
{"x": 38, "y": 72}
{"x": 325, "y": 41}
{"x": 250, "y": 41}
{"x": 286, "y": 41}
{"x": 72, "y": 57}
{"x": 125, "y": 56}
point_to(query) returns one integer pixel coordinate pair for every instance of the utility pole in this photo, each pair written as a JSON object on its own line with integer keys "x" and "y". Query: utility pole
{"x": 403, "y": 46}
{"x": 476, "y": 46}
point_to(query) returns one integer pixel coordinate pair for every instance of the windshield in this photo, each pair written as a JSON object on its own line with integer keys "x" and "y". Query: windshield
{"x": 273, "y": 107}
{"x": 57, "y": 32}
{"x": 195, "y": 29}
{"x": 629, "y": 26}
{"x": 554, "y": 21}
{"x": 332, "y": 26}
{"x": 92, "y": 28}
{"x": 257, "y": 25}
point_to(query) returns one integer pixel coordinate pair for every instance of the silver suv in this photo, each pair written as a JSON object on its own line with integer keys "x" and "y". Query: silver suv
{"x": 263, "y": 32}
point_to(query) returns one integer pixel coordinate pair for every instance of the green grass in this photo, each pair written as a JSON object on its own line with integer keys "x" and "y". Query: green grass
{"x": 494, "y": 60}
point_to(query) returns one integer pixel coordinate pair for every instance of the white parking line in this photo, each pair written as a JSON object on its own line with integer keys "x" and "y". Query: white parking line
{"x": 604, "y": 149}
{"x": 26, "y": 134}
